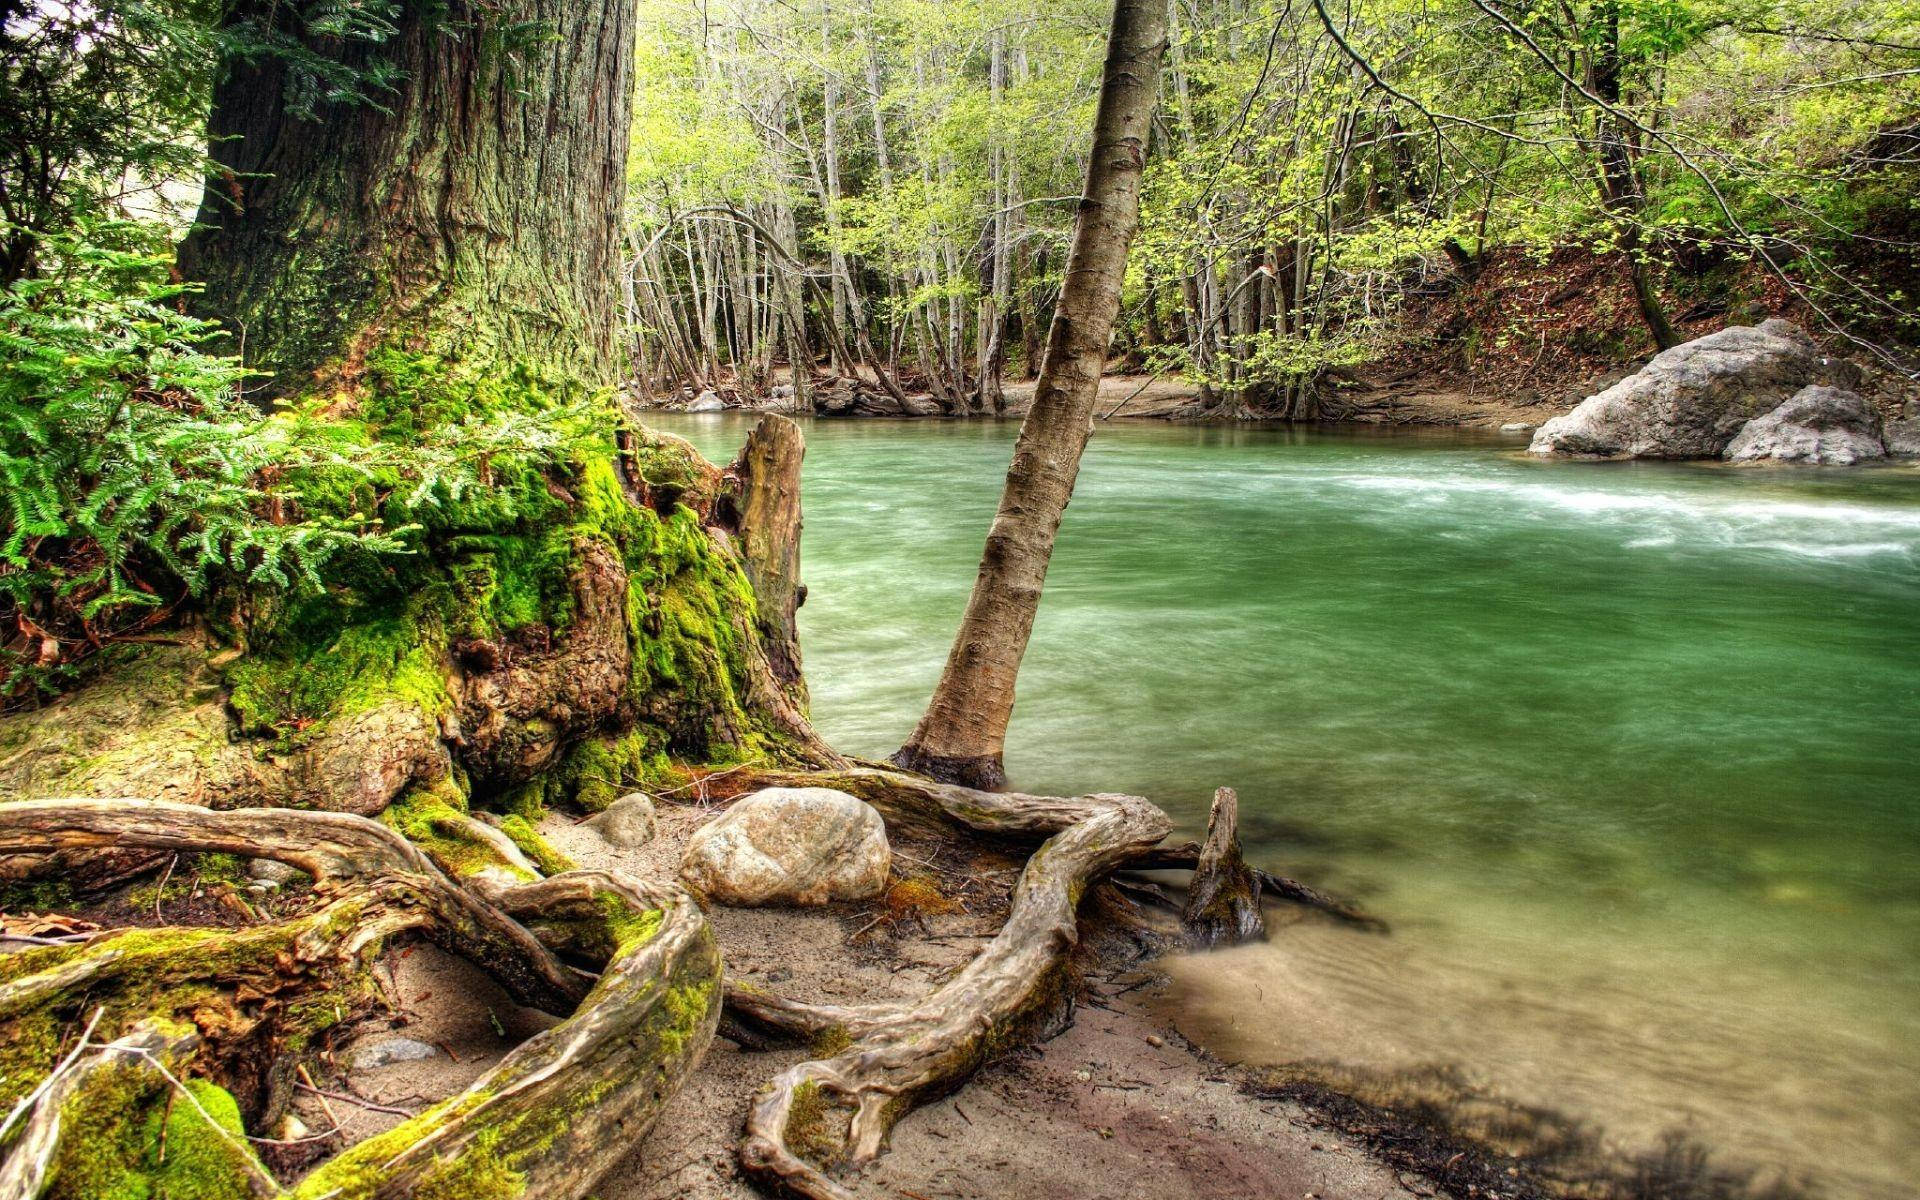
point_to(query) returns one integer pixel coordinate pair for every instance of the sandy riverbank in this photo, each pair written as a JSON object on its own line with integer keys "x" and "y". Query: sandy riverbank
{"x": 1118, "y": 1105}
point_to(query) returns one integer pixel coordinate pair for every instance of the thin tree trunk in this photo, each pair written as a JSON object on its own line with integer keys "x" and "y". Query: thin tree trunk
{"x": 963, "y": 734}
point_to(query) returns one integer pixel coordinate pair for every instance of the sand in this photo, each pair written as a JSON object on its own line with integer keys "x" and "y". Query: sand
{"x": 1118, "y": 1105}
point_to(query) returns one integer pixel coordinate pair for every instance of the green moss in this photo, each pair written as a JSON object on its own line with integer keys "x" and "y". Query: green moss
{"x": 829, "y": 1041}
{"x": 36, "y": 895}
{"x": 535, "y": 847}
{"x": 593, "y": 773}
{"x": 435, "y": 819}
{"x": 189, "y": 1159}
{"x": 329, "y": 658}
{"x": 103, "y": 1148}
{"x": 811, "y": 1126}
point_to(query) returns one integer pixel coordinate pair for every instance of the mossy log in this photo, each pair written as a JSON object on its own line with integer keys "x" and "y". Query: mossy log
{"x": 547, "y": 1122}
{"x": 887, "y": 1058}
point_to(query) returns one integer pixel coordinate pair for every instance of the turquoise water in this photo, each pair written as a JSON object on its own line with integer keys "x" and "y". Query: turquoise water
{"x": 1629, "y": 754}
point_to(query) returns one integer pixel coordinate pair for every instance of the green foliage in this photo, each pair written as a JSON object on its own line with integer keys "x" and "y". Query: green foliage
{"x": 137, "y": 476}
{"x": 133, "y": 473}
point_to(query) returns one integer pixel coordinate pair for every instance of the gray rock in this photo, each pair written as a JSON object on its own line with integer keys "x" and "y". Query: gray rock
{"x": 707, "y": 402}
{"x": 369, "y": 1056}
{"x": 1515, "y": 427}
{"x": 1690, "y": 401}
{"x": 1823, "y": 425}
{"x": 782, "y": 391}
{"x": 1903, "y": 438}
{"x": 794, "y": 846}
{"x": 272, "y": 871}
{"x": 626, "y": 823}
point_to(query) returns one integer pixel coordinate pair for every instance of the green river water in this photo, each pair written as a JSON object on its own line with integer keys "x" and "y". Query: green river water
{"x": 1628, "y": 754}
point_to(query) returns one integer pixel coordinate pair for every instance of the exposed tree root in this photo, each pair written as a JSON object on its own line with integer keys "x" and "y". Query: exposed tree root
{"x": 879, "y": 1061}
{"x": 547, "y": 1122}
{"x": 891, "y": 1057}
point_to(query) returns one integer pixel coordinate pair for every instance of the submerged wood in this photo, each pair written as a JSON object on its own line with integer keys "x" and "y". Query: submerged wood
{"x": 1223, "y": 901}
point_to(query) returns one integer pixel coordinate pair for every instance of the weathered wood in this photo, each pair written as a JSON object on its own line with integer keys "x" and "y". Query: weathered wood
{"x": 345, "y": 854}
{"x": 1186, "y": 857}
{"x": 565, "y": 1106}
{"x": 1223, "y": 901}
{"x": 897, "y": 1055}
{"x": 765, "y": 478}
{"x": 546, "y": 1123}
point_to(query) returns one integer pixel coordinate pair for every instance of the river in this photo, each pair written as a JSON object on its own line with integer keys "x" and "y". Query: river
{"x": 1627, "y": 753}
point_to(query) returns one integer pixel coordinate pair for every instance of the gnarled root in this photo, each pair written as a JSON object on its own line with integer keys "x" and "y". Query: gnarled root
{"x": 895, "y": 1056}
{"x": 547, "y": 1122}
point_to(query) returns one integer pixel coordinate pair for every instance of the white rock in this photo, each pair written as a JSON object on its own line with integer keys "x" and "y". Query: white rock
{"x": 790, "y": 846}
{"x": 707, "y": 402}
{"x": 1819, "y": 425}
{"x": 1515, "y": 427}
{"x": 370, "y": 1056}
{"x": 1691, "y": 400}
{"x": 626, "y": 823}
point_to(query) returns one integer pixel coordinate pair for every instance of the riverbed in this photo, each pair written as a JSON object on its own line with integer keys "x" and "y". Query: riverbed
{"x": 1627, "y": 753}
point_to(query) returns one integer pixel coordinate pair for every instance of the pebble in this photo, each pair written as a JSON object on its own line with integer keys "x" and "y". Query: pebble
{"x": 387, "y": 1051}
{"x": 269, "y": 870}
{"x": 1155, "y": 1040}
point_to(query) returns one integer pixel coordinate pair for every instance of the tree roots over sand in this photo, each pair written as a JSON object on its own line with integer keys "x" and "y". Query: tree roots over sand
{"x": 161, "y": 1005}
{"x": 187, "y": 1031}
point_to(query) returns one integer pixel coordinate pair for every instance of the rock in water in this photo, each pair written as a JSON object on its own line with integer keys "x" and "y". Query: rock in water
{"x": 1690, "y": 401}
{"x": 1824, "y": 425}
{"x": 627, "y": 822}
{"x": 790, "y": 846}
{"x": 1903, "y": 438}
{"x": 707, "y": 402}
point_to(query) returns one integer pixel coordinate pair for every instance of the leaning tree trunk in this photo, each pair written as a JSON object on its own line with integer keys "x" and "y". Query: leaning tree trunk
{"x": 961, "y": 737}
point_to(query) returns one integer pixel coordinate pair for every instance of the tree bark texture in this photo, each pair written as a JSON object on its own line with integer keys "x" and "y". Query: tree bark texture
{"x": 472, "y": 212}
{"x": 963, "y": 734}
{"x": 1223, "y": 901}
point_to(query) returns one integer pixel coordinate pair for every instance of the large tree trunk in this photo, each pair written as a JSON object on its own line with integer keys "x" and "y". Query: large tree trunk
{"x": 961, "y": 737}
{"x": 472, "y": 212}
{"x": 571, "y": 626}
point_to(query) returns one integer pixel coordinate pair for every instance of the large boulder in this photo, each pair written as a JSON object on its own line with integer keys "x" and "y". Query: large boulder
{"x": 1690, "y": 401}
{"x": 707, "y": 401}
{"x": 1903, "y": 438}
{"x": 790, "y": 846}
{"x": 1823, "y": 425}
